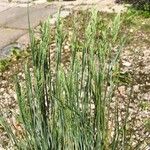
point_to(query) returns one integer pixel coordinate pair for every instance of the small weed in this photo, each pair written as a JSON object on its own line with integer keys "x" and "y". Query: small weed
{"x": 16, "y": 53}
{"x": 4, "y": 63}
{"x": 147, "y": 125}
{"x": 125, "y": 78}
{"x": 145, "y": 27}
{"x": 144, "y": 13}
{"x": 128, "y": 17}
{"x": 144, "y": 105}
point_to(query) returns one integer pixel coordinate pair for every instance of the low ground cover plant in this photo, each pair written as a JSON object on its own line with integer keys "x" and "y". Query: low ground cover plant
{"x": 139, "y": 7}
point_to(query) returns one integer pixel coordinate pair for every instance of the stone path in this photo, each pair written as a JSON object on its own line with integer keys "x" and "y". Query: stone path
{"x": 14, "y": 17}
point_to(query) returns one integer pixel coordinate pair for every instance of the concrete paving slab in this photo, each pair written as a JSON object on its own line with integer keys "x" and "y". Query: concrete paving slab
{"x": 11, "y": 15}
{"x": 18, "y": 17}
{"x": 24, "y": 40}
{"x": 5, "y": 1}
{"x": 8, "y": 36}
{"x": 3, "y": 8}
{"x": 17, "y": 1}
{"x": 8, "y": 4}
{"x": 22, "y": 1}
{"x": 36, "y": 16}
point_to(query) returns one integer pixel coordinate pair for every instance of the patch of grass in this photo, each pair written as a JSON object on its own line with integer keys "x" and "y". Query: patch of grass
{"x": 145, "y": 105}
{"x": 146, "y": 27}
{"x": 129, "y": 17}
{"x": 147, "y": 125}
{"x": 135, "y": 25}
{"x": 4, "y": 63}
{"x": 147, "y": 41}
{"x": 145, "y": 14}
{"x": 16, "y": 53}
{"x": 140, "y": 7}
{"x": 135, "y": 18}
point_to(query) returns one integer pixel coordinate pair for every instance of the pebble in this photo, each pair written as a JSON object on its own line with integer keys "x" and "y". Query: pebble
{"x": 126, "y": 63}
{"x": 2, "y": 90}
{"x": 131, "y": 30}
{"x": 66, "y": 47}
{"x": 136, "y": 88}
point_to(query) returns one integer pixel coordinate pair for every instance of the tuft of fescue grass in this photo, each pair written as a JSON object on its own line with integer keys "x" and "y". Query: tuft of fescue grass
{"x": 70, "y": 109}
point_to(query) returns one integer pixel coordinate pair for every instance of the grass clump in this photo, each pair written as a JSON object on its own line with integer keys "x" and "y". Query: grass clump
{"x": 143, "y": 13}
{"x": 4, "y": 63}
{"x": 147, "y": 125}
{"x": 70, "y": 108}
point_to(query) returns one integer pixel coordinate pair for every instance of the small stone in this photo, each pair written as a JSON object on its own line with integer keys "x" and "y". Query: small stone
{"x": 2, "y": 89}
{"x": 53, "y": 21}
{"x": 136, "y": 88}
{"x": 126, "y": 63}
{"x": 131, "y": 30}
{"x": 66, "y": 47}
{"x": 63, "y": 14}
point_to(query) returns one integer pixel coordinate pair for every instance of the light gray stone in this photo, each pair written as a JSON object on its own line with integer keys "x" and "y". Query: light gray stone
{"x": 2, "y": 8}
{"x": 8, "y": 36}
{"x": 22, "y": 1}
{"x": 8, "y": 4}
{"x": 68, "y": 7}
{"x": 24, "y": 40}
{"x": 39, "y": 1}
{"x": 63, "y": 14}
{"x": 11, "y": 15}
{"x": 53, "y": 21}
{"x": 18, "y": 17}
{"x": 5, "y": 1}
